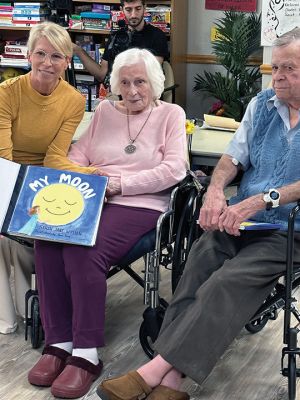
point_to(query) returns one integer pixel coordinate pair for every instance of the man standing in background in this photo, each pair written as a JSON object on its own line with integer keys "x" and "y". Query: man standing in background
{"x": 140, "y": 34}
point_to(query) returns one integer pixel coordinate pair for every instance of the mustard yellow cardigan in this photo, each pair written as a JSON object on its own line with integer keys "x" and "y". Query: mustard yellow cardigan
{"x": 37, "y": 129}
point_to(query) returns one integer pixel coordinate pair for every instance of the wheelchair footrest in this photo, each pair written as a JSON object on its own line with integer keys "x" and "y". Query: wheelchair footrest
{"x": 153, "y": 318}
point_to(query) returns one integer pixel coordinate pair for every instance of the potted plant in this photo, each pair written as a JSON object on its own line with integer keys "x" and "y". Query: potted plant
{"x": 238, "y": 38}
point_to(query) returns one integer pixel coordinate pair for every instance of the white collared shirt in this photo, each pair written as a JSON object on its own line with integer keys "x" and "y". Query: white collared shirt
{"x": 238, "y": 147}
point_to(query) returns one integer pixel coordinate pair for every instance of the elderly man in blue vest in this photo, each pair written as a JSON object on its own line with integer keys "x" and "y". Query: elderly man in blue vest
{"x": 229, "y": 273}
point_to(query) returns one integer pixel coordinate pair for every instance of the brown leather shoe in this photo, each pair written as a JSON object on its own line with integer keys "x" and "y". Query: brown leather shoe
{"x": 127, "y": 387}
{"x": 164, "y": 393}
{"x": 49, "y": 366}
{"x": 76, "y": 379}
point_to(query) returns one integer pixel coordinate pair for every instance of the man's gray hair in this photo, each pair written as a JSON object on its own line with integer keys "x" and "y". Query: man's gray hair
{"x": 136, "y": 56}
{"x": 287, "y": 38}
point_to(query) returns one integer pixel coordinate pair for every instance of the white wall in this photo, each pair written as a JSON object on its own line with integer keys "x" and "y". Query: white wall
{"x": 266, "y": 79}
{"x": 200, "y": 22}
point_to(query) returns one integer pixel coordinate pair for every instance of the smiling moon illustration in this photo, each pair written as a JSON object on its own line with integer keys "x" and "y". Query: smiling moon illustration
{"x": 59, "y": 204}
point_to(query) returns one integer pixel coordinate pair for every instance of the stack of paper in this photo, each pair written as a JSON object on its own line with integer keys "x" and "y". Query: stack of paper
{"x": 222, "y": 123}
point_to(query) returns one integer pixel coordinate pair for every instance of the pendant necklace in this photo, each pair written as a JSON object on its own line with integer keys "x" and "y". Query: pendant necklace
{"x": 131, "y": 147}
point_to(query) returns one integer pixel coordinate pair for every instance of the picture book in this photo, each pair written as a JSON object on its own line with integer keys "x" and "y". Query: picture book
{"x": 254, "y": 225}
{"x": 49, "y": 204}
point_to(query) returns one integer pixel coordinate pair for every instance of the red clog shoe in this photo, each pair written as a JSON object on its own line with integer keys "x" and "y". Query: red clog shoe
{"x": 76, "y": 379}
{"x": 49, "y": 366}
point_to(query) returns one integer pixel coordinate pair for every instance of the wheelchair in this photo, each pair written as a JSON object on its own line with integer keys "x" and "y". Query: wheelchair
{"x": 282, "y": 298}
{"x": 169, "y": 241}
{"x": 185, "y": 203}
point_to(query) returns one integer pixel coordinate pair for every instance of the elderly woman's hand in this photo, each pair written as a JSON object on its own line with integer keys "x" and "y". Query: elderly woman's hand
{"x": 100, "y": 172}
{"x": 113, "y": 187}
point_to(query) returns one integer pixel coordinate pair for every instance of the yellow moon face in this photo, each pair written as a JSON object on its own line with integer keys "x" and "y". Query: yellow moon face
{"x": 59, "y": 204}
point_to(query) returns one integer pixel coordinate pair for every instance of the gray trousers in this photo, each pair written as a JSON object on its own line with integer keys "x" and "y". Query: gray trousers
{"x": 225, "y": 281}
{"x": 19, "y": 257}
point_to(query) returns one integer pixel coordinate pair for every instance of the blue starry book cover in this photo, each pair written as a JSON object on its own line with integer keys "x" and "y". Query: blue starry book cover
{"x": 49, "y": 204}
{"x": 250, "y": 225}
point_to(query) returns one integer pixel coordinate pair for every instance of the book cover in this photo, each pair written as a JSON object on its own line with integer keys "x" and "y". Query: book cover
{"x": 50, "y": 204}
{"x": 30, "y": 4}
{"x": 15, "y": 56}
{"x": 254, "y": 225}
{"x": 23, "y": 24}
{"x": 24, "y": 18}
{"x": 29, "y": 11}
{"x": 16, "y": 49}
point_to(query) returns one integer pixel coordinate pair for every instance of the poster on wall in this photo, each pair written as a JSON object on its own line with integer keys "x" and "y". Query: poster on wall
{"x": 278, "y": 17}
{"x": 225, "y": 5}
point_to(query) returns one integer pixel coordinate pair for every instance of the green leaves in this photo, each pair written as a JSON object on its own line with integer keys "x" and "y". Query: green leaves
{"x": 239, "y": 38}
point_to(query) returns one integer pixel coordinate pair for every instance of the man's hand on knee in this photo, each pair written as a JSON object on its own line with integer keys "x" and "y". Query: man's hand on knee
{"x": 213, "y": 206}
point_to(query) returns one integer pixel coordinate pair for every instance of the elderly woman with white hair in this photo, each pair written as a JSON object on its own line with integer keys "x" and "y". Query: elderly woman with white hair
{"x": 139, "y": 142}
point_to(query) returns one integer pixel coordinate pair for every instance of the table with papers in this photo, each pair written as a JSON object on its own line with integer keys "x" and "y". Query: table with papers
{"x": 208, "y": 145}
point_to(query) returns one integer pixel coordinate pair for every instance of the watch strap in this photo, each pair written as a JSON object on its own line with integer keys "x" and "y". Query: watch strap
{"x": 269, "y": 205}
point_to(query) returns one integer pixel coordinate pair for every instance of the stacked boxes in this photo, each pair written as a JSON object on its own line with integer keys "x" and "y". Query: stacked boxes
{"x": 116, "y": 16}
{"x": 105, "y": 17}
{"x": 95, "y": 20}
{"x": 86, "y": 84}
{"x": 6, "y": 13}
{"x": 93, "y": 49}
{"x": 15, "y": 54}
{"x": 159, "y": 16}
{"x": 29, "y": 14}
{"x": 98, "y": 18}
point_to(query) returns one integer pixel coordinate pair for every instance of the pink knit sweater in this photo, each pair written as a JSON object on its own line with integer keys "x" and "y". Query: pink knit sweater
{"x": 158, "y": 163}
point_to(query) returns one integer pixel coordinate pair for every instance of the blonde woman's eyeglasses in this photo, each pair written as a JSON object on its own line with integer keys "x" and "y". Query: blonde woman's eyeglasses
{"x": 55, "y": 58}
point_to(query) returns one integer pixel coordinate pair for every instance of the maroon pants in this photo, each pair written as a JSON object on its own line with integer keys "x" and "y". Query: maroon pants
{"x": 72, "y": 279}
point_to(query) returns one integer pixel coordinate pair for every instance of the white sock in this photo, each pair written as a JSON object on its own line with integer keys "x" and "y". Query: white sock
{"x": 68, "y": 346}
{"x": 89, "y": 354}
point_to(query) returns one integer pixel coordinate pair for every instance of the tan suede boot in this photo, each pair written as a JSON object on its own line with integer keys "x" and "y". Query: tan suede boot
{"x": 164, "y": 393}
{"x": 127, "y": 387}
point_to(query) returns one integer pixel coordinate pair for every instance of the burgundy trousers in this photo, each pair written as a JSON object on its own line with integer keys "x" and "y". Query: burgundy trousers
{"x": 72, "y": 279}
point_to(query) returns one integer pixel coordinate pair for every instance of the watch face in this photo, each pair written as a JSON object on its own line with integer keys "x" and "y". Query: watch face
{"x": 274, "y": 195}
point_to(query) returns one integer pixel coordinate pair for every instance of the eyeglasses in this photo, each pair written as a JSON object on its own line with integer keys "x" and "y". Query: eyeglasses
{"x": 55, "y": 58}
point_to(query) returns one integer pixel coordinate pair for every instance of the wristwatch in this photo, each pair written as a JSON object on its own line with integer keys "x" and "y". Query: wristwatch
{"x": 271, "y": 198}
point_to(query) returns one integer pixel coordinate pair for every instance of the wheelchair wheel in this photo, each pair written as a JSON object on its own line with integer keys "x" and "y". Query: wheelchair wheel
{"x": 36, "y": 334}
{"x": 145, "y": 340}
{"x": 257, "y": 325}
{"x": 292, "y": 375}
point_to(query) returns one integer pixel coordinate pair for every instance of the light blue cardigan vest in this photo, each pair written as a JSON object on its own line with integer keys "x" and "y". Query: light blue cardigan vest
{"x": 273, "y": 161}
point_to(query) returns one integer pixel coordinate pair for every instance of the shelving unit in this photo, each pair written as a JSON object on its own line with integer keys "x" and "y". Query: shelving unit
{"x": 13, "y": 28}
{"x": 177, "y": 38}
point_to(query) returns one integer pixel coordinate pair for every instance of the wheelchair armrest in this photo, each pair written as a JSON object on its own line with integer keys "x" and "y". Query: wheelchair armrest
{"x": 142, "y": 247}
{"x": 150, "y": 241}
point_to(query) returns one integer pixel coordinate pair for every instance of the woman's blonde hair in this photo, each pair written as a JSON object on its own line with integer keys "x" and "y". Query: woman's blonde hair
{"x": 58, "y": 37}
{"x": 135, "y": 56}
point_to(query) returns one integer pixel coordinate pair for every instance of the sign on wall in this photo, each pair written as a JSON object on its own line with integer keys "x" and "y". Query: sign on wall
{"x": 237, "y": 5}
{"x": 278, "y": 17}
